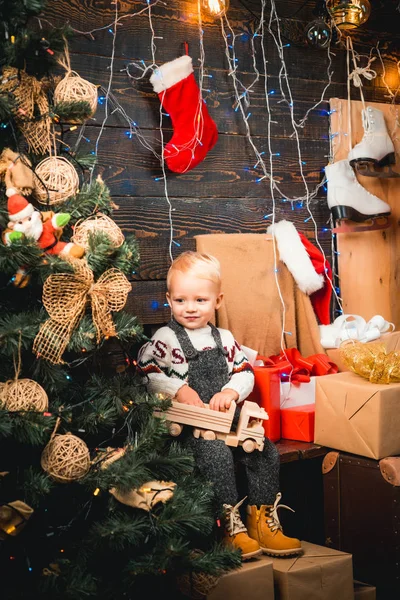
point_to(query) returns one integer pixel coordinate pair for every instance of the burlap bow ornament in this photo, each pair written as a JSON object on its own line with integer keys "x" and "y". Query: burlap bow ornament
{"x": 65, "y": 296}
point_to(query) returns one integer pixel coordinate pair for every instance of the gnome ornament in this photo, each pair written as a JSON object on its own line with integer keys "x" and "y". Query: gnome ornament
{"x": 195, "y": 133}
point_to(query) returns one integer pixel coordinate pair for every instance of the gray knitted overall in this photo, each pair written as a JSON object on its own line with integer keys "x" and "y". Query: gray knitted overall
{"x": 207, "y": 374}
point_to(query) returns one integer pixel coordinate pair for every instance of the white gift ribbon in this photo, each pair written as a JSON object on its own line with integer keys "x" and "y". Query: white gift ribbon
{"x": 353, "y": 327}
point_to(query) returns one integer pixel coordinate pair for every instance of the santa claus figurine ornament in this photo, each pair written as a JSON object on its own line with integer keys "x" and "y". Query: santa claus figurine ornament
{"x": 195, "y": 133}
{"x": 45, "y": 228}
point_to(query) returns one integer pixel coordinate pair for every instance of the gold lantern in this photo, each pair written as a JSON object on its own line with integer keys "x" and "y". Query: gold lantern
{"x": 215, "y": 8}
{"x": 348, "y": 14}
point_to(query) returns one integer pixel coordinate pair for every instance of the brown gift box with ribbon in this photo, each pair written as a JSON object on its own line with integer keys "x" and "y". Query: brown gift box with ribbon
{"x": 357, "y": 416}
{"x": 390, "y": 340}
{"x": 319, "y": 574}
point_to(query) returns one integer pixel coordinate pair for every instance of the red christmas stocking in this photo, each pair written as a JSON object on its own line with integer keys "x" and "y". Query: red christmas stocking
{"x": 195, "y": 133}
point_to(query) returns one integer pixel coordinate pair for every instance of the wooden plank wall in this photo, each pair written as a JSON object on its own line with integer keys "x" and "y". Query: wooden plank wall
{"x": 221, "y": 194}
{"x": 369, "y": 261}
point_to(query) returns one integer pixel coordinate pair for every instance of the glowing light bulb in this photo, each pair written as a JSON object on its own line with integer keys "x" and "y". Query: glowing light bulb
{"x": 215, "y": 8}
{"x": 348, "y": 14}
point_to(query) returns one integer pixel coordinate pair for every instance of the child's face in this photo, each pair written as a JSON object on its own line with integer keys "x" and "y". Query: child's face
{"x": 193, "y": 300}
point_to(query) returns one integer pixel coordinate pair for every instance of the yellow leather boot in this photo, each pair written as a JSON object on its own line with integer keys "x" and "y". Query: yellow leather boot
{"x": 236, "y": 536}
{"x": 263, "y": 525}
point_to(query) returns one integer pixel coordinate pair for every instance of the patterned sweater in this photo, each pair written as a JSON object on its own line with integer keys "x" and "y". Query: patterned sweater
{"x": 163, "y": 361}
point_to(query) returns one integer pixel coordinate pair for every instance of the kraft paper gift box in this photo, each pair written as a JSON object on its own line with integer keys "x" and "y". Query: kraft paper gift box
{"x": 363, "y": 591}
{"x": 357, "y": 416}
{"x": 297, "y": 423}
{"x": 254, "y": 580}
{"x": 266, "y": 393}
{"x": 319, "y": 574}
{"x": 391, "y": 341}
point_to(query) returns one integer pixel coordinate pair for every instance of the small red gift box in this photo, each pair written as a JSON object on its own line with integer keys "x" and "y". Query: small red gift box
{"x": 297, "y": 423}
{"x": 266, "y": 393}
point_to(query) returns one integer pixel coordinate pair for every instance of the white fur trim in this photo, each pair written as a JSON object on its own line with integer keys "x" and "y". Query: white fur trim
{"x": 295, "y": 257}
{"x": 11, "y": 192}
{"x": 25, "y": 212}
{"x": 171, "y": 73}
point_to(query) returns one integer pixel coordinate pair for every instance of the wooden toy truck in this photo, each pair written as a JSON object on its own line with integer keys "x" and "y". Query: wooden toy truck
{"x": 211, "y": 424}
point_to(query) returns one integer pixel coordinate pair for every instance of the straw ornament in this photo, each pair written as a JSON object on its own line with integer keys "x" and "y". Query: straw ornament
{"x": 73, "y": 88}
{"x": 372, "y": 362}
{"x": 97, "y": 223}
{"x": 23, "y": 395}
{"x": 196, "y": 586}
{"x": 31, "y": 109}
{"x": 56, "y": 181}
{"x": 66, "y": 458}
{"x": 65, "y": 296}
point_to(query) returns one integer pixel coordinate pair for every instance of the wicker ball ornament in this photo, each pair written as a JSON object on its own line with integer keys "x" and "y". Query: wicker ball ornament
{"x": 97, "y": 223}
{"x": 56, "y": 180}
{"x": 72, "y": 88}
{"x": 196, "y": 585}
{"x": 66, "y": 458}
{"x": 23, "y": 395}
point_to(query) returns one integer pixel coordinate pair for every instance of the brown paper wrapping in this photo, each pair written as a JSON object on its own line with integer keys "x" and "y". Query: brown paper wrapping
{"x": 254, "y": 580}
{"x": 357, "y": 416}
{"x": 363, "y": 591}
{"x": 319, "y": 574}
{"x": 391, "y": 341}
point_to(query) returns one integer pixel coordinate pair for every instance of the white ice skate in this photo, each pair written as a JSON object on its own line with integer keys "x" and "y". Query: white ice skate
{"x": 348, "y": 200}
{"x": 375, "y": 154}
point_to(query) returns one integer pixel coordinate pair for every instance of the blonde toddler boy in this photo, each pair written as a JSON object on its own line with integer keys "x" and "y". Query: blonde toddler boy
{"x": 197, "y": 363}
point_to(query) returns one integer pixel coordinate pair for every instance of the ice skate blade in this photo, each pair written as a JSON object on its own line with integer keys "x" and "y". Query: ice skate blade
{"x": 372, "y": 224}
{"x": 369, "y": 168}
{"x": 389, "y": 159}
{"x": 342, "y": 212}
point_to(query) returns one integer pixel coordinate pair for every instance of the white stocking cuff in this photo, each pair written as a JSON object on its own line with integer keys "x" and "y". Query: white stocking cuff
{"x": 171, "y": 73}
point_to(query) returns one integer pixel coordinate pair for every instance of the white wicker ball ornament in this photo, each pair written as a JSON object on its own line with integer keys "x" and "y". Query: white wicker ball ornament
{"x": 23, "y": 395}
{"x": 73, "y": 88}
{"x": 56, "y": 180}
{"x": 66, "y": 458}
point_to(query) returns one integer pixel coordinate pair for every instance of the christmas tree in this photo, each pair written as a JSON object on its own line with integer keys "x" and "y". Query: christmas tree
{"x": 95, "y": 498}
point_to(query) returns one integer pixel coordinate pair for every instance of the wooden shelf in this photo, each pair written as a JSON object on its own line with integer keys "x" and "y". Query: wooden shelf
{"x": 291, "y": 450}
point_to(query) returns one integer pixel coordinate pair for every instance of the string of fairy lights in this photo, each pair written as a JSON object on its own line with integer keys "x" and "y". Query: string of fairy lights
{"x": 265, "y": 160}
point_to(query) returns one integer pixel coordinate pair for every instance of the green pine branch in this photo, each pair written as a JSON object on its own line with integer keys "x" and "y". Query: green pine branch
{"x": 91, "y": 198}
{"x": 27, "y": 427}
{"x": 102, "y": 254}
{"x": 73, "y": 112}
{"x": 19, "y": 328}
{"x": 36, "y": 485}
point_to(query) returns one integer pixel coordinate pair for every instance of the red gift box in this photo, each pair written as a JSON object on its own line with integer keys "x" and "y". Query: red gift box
{"x": 297, "y": 423}
{"x": 266, "y": 393}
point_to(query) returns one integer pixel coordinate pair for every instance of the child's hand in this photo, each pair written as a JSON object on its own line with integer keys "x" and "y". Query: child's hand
{"x": 222, "y": 400}
{"x": 187, "y": 395}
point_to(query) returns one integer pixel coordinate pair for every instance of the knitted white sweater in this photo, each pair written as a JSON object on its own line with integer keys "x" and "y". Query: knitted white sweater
{"x": 163, "y": 361}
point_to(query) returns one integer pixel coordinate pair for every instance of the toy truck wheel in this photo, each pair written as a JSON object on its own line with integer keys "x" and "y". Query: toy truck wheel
{"x": 249, "y": 445}
{"x": 209, "y": 435}
{"x": 175, "y": 429}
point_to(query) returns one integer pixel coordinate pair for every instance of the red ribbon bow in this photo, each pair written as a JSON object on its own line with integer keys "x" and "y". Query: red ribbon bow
{"x": 294, "y": 367}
